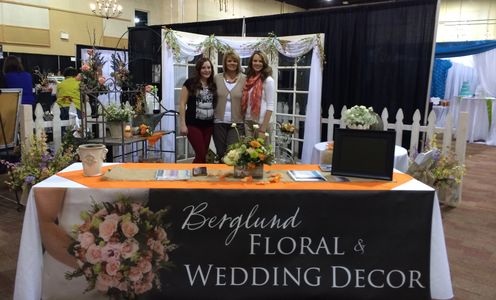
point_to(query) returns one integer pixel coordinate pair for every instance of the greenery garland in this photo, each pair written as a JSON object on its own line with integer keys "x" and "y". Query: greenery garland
{"x": 171, "y": 39}
{"x": 210, "y": 44}
{"x": 270, "y": 45}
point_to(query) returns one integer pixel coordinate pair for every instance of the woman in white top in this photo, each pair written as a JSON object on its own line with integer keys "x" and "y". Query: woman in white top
{"x": 257, "y": 102}
{"x": 230, "y": 85}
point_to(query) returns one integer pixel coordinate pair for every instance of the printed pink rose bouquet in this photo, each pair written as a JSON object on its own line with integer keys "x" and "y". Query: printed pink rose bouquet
{"x": 120, "y": 248}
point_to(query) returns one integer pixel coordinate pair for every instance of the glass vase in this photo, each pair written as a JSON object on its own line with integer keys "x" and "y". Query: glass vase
{"x": 245, "y": 171}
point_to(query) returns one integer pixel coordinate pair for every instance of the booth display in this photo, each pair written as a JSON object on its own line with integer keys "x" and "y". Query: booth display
{"x": 343, "y": 241}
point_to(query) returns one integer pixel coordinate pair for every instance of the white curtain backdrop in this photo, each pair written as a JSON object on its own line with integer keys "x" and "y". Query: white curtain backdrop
{"x": 485, "y": 64}
{"x": 460, "y": 71}
{"x": 190, "y": 46}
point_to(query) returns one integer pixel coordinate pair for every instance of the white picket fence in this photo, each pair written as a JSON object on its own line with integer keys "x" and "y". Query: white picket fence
{"x": 416, "y": 129}
{"x": 38, "y": 125}
{"x": 29, "y": 126}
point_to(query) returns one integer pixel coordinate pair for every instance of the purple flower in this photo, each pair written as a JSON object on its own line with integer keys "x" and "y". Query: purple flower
{"x": 29, "y": 179}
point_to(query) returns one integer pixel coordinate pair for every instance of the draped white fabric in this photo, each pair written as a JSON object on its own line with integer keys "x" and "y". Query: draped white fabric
{"x": 457, "y": 74}
{"x": 485, "y": 64}
{"x": 190, "y": 46}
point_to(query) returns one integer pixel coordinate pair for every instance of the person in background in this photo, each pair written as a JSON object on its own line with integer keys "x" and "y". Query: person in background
{"x": 230, "y": 85}
{"x": 16, "y": 77}
{"x": 67, "y": 92}
{"x": 196, "y": 109}
{"x": 257, "y": 102}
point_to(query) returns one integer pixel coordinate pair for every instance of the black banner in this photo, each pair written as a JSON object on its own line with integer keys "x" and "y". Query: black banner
{"x": 266, "y": 244}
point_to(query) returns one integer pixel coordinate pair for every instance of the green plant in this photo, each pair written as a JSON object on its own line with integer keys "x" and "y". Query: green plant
{"x": 249, "y": 151}
{"x": 118, "y": 113}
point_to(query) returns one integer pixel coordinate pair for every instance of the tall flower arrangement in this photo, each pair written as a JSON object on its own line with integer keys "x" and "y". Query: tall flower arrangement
{"x": 120, "y": 248}
{"x": 91, "y": 72}
{"x": 120, "y": 72}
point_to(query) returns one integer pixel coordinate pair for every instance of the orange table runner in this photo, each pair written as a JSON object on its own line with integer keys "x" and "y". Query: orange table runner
{"x": 98, "y": 182}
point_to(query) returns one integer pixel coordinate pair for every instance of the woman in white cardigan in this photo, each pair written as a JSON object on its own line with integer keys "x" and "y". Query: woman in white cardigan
{"x": 257, "y": 102}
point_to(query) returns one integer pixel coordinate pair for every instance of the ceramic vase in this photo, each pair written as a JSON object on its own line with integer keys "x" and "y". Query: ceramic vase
{"x": 92, "y": 157}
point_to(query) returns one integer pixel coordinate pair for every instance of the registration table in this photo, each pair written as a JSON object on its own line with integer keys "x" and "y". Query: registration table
{"x": 400, "y": 156}
{"x": 263, "y": 240}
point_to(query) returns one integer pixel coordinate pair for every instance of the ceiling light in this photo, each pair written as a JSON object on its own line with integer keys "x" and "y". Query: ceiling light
{"x": 106, "y": 8}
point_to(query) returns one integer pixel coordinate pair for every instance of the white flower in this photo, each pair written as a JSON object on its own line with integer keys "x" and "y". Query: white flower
{"x": 266, "y": 134}
{"x": 359, "y": 115}
{"x": 233, "y": 125}
{"x": 255, "y": 126}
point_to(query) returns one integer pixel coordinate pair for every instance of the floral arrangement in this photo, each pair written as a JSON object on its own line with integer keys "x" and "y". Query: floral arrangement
{"x": 120, "y": 248}
{"x": 441, "y": 171}
{"x": 145, "y": 130}
{"x": 44, "y": 84}
{"x": 91, "y": 72}
{"x": 118, "y": 113}
{"x": 38, "y": 162}
{"x": 120, "y": 72}
{"x": 287, "y": 127}
{"x": 360, "y": 117}
{"x": 437, "y": 169}
{"x": 249, "y": 151}
{"x": 152, "y": 89}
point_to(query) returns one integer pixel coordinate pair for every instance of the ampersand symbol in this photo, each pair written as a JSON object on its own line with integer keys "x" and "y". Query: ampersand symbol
{"x": 359, "y": 246}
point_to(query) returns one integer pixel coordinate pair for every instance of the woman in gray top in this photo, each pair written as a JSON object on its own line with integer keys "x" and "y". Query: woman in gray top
{"x": 228, "y": 109}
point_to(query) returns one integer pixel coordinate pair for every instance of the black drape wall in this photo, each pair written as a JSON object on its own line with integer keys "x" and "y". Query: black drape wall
{"x": 376, "y": 55}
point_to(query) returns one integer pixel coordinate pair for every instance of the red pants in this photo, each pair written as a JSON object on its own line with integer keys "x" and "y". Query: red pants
{"x": 199, "y": 137}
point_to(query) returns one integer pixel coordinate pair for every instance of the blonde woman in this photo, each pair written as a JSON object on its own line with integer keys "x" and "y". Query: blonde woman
{"x": 257, "y": 102}
{"x": 230, "y": 85}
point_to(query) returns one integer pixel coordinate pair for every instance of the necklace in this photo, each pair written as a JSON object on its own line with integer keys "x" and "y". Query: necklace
{"x": 230, "y": 80}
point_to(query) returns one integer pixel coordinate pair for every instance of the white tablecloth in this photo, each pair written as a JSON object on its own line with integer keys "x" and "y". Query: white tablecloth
{"x": 30, "y": 261}
{"x": 400, "y": 156}
{"x": 478, "y": 118}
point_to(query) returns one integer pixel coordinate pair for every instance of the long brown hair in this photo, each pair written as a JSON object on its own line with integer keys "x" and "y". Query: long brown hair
{"x": 266, "y": 70}
{"x": 195, "y": 85}
{"x": 12, "y": 64}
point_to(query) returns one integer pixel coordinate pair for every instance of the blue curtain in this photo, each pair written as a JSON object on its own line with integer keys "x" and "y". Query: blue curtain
{"x": 453, "y": 49}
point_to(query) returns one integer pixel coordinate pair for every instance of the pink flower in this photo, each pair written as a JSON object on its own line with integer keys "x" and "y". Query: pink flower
{"x": 85, "y": 68}
{"x": 161, "y": 234}
{"x": 112, "y": 267}
{"x": 104, "y": 282}
{"x": 129, "y": 248}
{"x": 79, "y": 77}
{"x": 101, "y": 80}
{"x": 86, "y": 239}
{"x": 145, "y": 266}
{"x": 148, "y": 88}
{"x": 158, "y": 247}
{"x": 111, "y": 252}
{"x": 135, "y": 274}
{"x": 94, "y": 254}
{"x": 129, "y": 229}
{"x": 107, "y": 228}
{"x": 149, "y": 277}
{"x": 122, "y": 286}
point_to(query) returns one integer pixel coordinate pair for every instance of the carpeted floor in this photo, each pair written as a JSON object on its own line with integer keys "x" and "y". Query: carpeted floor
{"x": 470, "y": 231}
